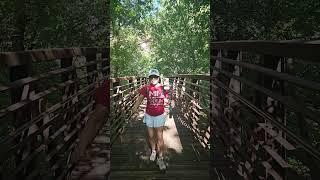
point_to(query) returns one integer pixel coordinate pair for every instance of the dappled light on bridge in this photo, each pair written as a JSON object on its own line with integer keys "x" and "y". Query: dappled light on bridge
{"x": 171, "y": 136}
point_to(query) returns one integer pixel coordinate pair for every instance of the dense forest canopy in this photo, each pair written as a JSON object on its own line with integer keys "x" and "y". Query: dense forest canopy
{"x": 266, "y": 20}
{"x": 37, "y": 24}
{"x": 172, "y": 36}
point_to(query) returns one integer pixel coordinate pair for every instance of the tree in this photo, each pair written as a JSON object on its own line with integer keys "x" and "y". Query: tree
{"x": 180, "y": 34}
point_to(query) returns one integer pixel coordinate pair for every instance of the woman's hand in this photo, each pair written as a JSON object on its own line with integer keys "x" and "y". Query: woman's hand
{"x": 166, "y": 101}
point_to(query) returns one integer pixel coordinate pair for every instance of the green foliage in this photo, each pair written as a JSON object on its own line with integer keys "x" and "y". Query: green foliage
{"x": 265, "y": 20}
{"x": 175, "y": 37}
{"x": 180, "y": 35}
{"x": 127, "y": 57}
{"x": 127, "y": 35}
{"x": 7, "y": 24}
{"x": 299, "y": 167}
{"x": 56, "y": 23}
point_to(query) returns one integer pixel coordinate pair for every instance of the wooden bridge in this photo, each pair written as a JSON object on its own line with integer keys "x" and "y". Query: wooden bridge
{"x": 255, "y": 116}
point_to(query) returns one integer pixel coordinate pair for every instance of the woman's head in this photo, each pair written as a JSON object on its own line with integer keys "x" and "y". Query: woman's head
{"x": 154, "y": 76}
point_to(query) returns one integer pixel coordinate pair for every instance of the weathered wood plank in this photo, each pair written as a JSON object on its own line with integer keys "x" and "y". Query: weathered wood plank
{"x": 95, "y": 164}
{"x": 23, "y": 57}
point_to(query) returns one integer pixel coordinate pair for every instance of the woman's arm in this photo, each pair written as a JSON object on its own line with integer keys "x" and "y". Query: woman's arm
{"x": 143, "y": 94}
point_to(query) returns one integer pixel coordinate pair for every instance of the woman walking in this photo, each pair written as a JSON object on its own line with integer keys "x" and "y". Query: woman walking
{"x": 154, "y": 117}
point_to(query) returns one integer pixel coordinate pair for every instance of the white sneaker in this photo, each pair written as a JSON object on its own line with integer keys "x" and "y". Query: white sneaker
{"x": 153, "y": 155}
{"x": 161, "y": 163}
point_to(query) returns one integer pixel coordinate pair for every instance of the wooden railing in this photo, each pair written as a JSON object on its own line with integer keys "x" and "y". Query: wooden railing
{"x": 265, "y": 107}
{"x": 124, "y": 91}
{"x": 47, "y": 109}
{"x": 191, "y": 97}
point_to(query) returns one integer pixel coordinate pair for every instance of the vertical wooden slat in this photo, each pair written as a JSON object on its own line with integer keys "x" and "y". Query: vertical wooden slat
{"x": 217, "y": 129}
{"x": 91, "y": 56}
{"x": 269, "y": 104}
{"x": 67, "y": 114}
{"x": 115, "y": 99}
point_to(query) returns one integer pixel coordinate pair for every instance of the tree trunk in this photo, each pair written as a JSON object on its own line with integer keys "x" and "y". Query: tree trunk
{"x": 20, "y": 25}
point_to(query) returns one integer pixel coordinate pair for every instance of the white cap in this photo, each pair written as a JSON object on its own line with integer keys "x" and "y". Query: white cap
{"x": 154, "y": 72}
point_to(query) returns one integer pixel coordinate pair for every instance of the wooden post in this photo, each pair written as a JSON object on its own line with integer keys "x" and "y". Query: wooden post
{"x": 20, "y": 25}
{"x": 138, "y": 85}
{"x": 194, "y": 93}
{"x": 106, "y": 77}
{"x": 116, "y": 107}
{"x": 131, "y": 89}
{"x": 179, "y": 93}
{"x": 215, "y": 119}
{"x": 272, "y": 106}
{"x": 24, "y": 114}
{"x": 91, "y": 56}
{"x": 67, "y": 114}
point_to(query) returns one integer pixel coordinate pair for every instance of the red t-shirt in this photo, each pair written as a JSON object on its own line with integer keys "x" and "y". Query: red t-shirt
{"x": 155, "y": 99}
{"x": 102, "y": 95}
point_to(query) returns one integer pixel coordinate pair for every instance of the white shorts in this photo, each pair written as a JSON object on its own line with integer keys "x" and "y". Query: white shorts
{"x": 154, "y": 121}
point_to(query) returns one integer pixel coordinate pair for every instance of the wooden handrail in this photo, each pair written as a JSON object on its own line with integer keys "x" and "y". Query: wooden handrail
{"x": 59, "y": 128}
{"x": 38, "y": 55}
{"x": 306, "y": 50}
{"x": 124, "y": 91}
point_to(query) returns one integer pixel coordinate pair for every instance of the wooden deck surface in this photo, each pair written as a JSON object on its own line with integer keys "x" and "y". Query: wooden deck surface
{"x": 185, "y": 158}
{"x": 95, "y": 164}
{"x": 129, "y": 157}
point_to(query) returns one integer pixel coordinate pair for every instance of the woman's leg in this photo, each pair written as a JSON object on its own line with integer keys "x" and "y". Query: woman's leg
{"x": 160, "y": 145}
{"x": 151, "y": 138}
{"x": 152, "y": 143}
{"x": 160, "y": 142}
